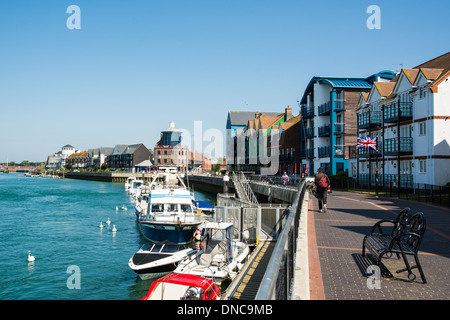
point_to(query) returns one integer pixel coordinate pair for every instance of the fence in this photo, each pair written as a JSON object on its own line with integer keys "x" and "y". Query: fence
{"x": 279, "y": 276}
{"x": 422, "y": 192}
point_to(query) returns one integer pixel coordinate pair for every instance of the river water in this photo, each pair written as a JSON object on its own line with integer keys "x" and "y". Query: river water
{"x": 58, "y": 221}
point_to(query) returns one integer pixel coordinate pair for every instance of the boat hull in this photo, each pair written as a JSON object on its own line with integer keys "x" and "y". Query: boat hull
{"x": 168, "y": 231}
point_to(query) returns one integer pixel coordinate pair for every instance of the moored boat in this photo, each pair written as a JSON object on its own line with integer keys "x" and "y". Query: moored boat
{"x": 182, "y": 287}
{"x": 155, "y": 260}
{"x": 170, "y": 213}
{"x": 221, "y": 259}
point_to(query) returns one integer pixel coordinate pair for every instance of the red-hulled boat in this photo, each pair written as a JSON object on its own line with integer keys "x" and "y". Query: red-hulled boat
{"x": 179, "y": 286}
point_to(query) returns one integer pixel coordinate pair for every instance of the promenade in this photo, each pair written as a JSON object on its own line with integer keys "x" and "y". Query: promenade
{"x": 337, "y": 270}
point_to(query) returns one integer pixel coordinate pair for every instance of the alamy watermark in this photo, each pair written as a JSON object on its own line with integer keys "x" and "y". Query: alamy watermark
{"x": 374, "y": 20}
{"x": 74, "y": 280}
{"x": 74, "y": 20}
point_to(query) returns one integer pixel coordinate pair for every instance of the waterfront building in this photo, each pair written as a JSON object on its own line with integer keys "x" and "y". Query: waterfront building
{"x": 58, "y": 159}
{"x": 251, "y": 147}
{"x": 97, "y": 156}
{"x": 128, "y": 157}
{"x": 329, "y": 122}
{"x": 237, "y": 121}
{"x": 168, "y": 150}
{"x": 78, "y": 160}
{"x": 409, "y": 117}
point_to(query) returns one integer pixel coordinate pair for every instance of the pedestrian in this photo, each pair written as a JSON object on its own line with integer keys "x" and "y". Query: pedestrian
{"x": 226, "y": 181}
{"x": 285, "y": 179}
{"x": 322, "y": 183}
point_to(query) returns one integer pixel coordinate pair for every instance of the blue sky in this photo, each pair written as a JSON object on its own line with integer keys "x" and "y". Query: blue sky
{"x": 137, "y": 65}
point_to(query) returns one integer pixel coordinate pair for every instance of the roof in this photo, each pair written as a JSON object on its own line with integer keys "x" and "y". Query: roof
{"x": 171, "y": 128}
{"x": 241, "y": 118}
{"x": 384, "y": 88}
{"x": 346, "y": 82}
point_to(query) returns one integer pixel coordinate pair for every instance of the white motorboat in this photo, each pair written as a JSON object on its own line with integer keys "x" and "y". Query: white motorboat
{"x": 135, "y": 185}
{"x": 129, "y": 181}
{"x": 170, "y": 212}
{"x": 156, "y": 260}
{"x": 220, "y": 259}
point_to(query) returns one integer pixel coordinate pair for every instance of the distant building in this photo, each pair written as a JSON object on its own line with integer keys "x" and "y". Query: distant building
{"x": 128, "y": 157}
{"x": 169, "y": 151}
{"x": 77, "y": 160}
{"x": 409, "y": 116}
{"x": 98, "y": 156}
{"x": 58, "y": 159}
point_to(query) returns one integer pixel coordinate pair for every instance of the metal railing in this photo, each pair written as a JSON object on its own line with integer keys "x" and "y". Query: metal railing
{"x": 279, "y": 276}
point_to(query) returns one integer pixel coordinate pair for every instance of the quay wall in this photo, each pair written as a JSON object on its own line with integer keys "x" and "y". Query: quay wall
{"x": 267, "y": 191}
{"x": 211, "y": 183}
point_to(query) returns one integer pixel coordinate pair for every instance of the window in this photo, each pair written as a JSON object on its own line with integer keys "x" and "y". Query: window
{"x": 423, "y": 166}
{"x": 422, "y": 128}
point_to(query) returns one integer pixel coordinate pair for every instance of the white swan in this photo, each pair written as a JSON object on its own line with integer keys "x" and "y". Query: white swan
{"x": 101, "y": 225}
{"x": 30, "y": 258}
{"x": 108, "y": 221}
{"x": 117, "y": 208}
{"x": 114, "y": 228}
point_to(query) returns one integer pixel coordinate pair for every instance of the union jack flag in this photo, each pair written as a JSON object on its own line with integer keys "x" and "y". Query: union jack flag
{"x": 367, "y": 142}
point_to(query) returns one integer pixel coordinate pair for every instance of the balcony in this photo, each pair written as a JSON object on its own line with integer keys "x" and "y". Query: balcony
{"x": 369, "y": 152}
{"x": 369, "y": 119}
{"x": 324, "y": 131}
{"x": 339, "y": 105}
{"x": 307, "y": 112}
{"x": 393, "y": 147}
{"x": 339, "y": 151}
{"x": 339, "y": 128}
{"x": 309, "y": 153}
{"x": 324, "y": 152}
{"x": 324, "y": 109}
{"x": 401, "y": 111}
{"x": 309, "y": 133}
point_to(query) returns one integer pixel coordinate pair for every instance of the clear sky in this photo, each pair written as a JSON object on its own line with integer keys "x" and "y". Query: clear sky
{"x": 136, "y": 65}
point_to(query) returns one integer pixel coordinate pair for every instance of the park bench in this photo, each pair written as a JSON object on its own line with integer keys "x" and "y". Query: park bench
{"x": 404, "y": 239}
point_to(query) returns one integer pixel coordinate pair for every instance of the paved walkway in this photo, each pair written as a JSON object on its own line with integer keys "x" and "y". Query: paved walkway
{"x": 337, "y": 270}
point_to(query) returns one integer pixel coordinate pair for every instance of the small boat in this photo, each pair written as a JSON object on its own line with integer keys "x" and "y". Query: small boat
{"x": 204, "y": 206}
{"x": 221, "y": 259}
{"x": 169, "y": 213}
{"x": 155, "y": 260}
{"x": 129, "y": 182}
{"x": 135, "y": 185}
{"x": 182, "y": 287}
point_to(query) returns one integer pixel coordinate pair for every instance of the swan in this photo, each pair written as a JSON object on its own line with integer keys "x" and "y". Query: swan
{"x": 108, "y": 221}
{"x": 125, "y": 208}
{"x": 114, "y": 228}
{"x": 101, "y": 225}
{"x": 117, "y": 208}
{"x": 30, "y": 258}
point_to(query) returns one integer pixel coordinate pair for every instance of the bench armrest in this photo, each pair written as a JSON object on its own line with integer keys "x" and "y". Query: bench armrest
{"x": 378, "y": 225}
{"x": 398, "y": 239}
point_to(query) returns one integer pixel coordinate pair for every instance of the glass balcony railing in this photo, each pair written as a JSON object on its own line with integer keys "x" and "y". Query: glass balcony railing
{"x": 324, "y": 131}
{"x": 401, "y": 111}
{"x": 324, "y": 152}
{"x": 369, "y": 119}
{"x": 394, "y": 146}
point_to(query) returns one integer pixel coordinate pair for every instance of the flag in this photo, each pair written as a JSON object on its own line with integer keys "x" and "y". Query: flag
{"x": 367, "y": 142}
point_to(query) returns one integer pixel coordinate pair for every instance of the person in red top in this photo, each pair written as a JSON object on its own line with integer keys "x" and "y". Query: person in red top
{"x": 322, "y": 183}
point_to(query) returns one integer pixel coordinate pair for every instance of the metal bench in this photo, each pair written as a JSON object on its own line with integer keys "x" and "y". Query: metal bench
{"x": 405, "y": 239}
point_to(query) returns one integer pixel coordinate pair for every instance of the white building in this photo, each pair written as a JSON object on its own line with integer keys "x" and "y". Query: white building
{"x": 57, "y": 160}
{"x": 410, "y": 118}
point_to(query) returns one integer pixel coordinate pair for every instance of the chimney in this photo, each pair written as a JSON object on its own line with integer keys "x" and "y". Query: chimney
{"x": 257, "y": 114}
{"x": 287, "y": 113}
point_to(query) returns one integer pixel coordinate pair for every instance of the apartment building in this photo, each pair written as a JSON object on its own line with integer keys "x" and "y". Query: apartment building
{"x": 409, "y": 116}
{"x": 329, "y": 121}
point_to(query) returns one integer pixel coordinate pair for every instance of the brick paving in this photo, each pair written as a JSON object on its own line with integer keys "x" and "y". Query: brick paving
{"x": 337, "y": 241}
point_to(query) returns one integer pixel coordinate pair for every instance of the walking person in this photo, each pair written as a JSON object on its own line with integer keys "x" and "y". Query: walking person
{"x": 285, "y": 179}
{"x": 322, "y": 183}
